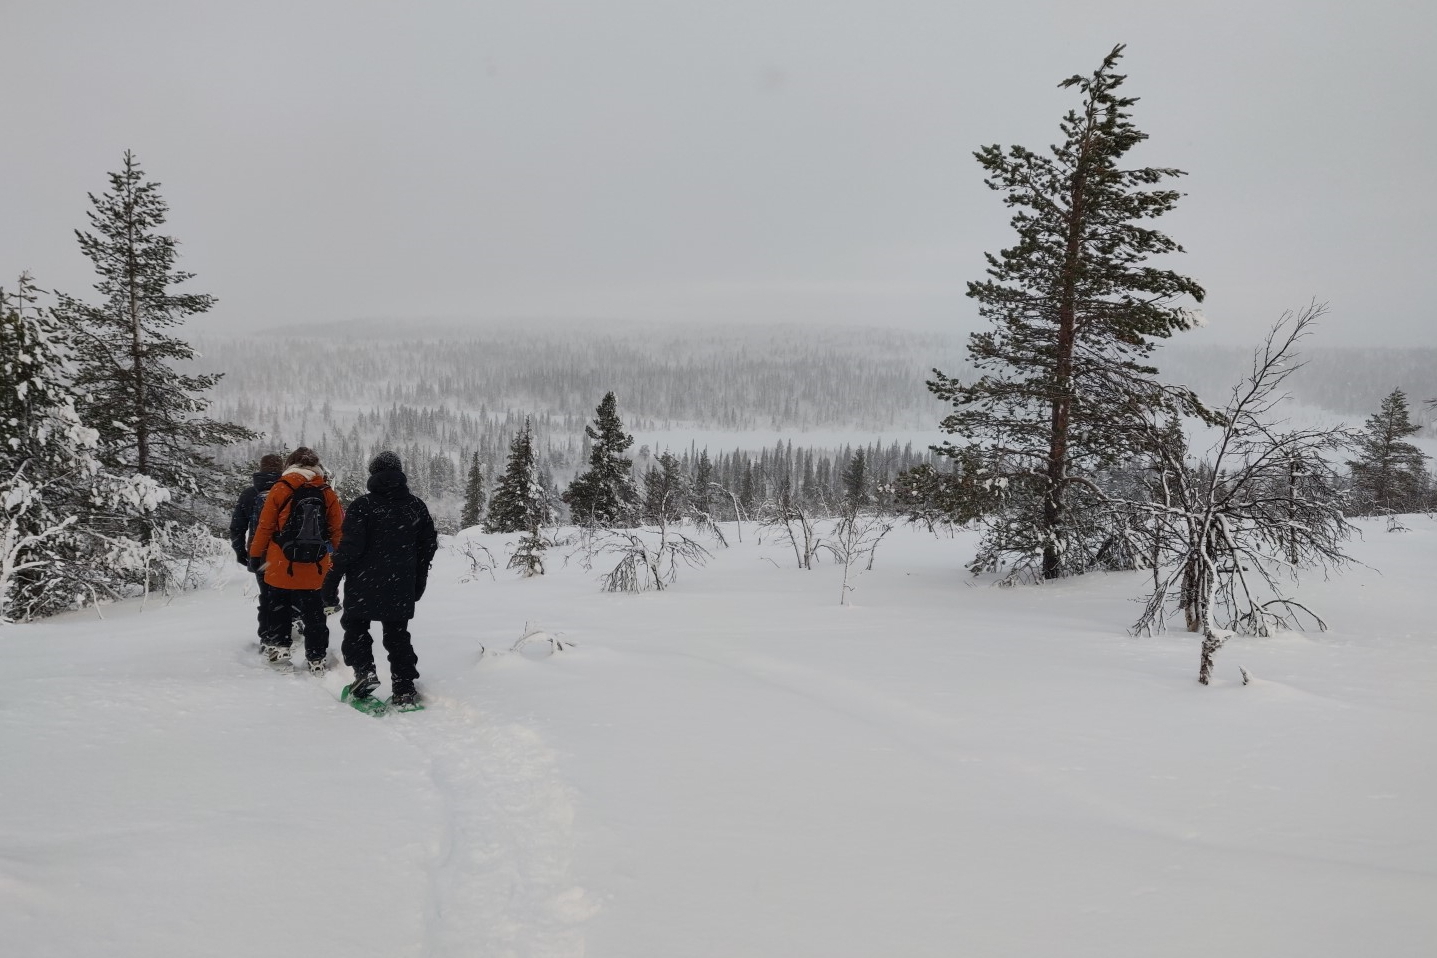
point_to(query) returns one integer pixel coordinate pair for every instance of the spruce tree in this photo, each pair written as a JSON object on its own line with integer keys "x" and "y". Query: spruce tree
{"x": 701, "y": 495}
{"x": 34, "y": 351}
{"x": 1074, "y": 308}
{"x": 666, "y": 491}
{"x": 856, "y": 481}
{"x": 59, "y": 511}
{"x": 129, "y": 387}
{"x": 520, "y": 502}
{"x": 749, "y": 488}
{"x": 38, "y": 461}
{"x": 1388, "y": 474}
{"x": 443, "y": 482}
{"x": 605, "y": 494}
{"x": 473, "y": 495}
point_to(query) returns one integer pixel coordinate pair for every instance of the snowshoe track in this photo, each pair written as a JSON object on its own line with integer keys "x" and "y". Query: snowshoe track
{"x": 498, "y": 880}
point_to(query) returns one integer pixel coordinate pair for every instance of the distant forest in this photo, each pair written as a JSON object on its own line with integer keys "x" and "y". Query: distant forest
{"x": 438, "y": 397}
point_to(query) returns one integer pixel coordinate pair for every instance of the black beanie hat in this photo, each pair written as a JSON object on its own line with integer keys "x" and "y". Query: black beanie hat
{"x": 385, "y": 460}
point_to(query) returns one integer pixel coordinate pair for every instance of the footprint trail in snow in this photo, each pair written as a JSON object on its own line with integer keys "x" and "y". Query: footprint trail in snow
{"x": 499, "y": 873}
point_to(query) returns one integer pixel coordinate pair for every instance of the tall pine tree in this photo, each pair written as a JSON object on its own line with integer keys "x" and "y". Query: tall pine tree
{"x": 1074, "y": 308}
{"x": 473, "y": 495}
{"x": 605, "y": 494}
{"x": 1389, "y": 474}
{"x": 521, "y": 503}
{"x": 701, "y": 496}
{"x": 130, "y": 389}
{"x": 856, "y": 481}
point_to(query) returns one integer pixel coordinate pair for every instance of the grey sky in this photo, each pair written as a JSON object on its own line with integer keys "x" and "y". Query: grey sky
{"x": 747, "y": 159}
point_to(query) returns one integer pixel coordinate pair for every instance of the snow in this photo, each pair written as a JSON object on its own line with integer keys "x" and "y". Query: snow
{"x": 738, "y": 766}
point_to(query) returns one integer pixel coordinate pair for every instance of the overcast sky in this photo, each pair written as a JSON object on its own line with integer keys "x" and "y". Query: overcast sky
{"x": 753, "y": 160}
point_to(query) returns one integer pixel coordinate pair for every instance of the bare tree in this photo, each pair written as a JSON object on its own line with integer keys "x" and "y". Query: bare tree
{"x": 795, "y": 522}
{"x": 1231, "y": 533}
{"x": 855, "y": 540}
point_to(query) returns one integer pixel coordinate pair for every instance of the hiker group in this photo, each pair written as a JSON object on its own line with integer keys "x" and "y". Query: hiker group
{"x": 290, "y": 529}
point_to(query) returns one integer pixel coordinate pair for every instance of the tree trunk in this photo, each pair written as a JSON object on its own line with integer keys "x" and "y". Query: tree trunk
{"x": 1292, "y": 513}
{"x": 137, "y": 356}
{"x": 1210, "y": 644}
{"x": 1062, "y": 399}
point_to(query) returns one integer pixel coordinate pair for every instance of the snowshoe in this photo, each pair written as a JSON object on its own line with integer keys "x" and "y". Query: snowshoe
{"x": 367, "y": 704}
{"x": 318, "y": 666}
{"x": 364, "y": 684}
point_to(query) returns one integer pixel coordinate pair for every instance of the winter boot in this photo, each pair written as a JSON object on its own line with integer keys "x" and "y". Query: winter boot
{"x": 404, "y": 695}
{"x": 364, "y": 684}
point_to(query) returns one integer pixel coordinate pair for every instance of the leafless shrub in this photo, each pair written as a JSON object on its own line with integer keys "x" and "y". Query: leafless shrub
{"x": 534, "y": 636}
{"x": 481, "y": 560}
{"x": 646, "y": 560}
{"x": 855, "y": 540}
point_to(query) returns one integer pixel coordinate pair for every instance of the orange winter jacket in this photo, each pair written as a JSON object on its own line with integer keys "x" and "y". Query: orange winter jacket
{"x": 305, "y": 575}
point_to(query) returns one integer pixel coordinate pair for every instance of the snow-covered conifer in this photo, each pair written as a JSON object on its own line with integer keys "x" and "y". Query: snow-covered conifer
{"x": 521, "y": 503}
{"x": 605, "y": 494}
{"x": 666, "y": 491}
{"x": 473, "y": 495}
{"x": 1389, "y": 475}
{"x": 856, "y": 480}
{"x": 63, "y": 521}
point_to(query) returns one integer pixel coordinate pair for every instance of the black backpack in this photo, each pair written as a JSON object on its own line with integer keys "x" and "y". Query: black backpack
{"x": 305, "y": 536}
{"x": 254, "y": 512}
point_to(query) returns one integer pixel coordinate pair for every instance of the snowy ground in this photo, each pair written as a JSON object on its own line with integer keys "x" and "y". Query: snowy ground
{"x": 738, "y": 767}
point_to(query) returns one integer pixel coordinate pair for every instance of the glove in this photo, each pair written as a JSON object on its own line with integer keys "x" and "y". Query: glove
{"x": 419, "y": 586}
{"x": 255, "y": 563}
{"x": 242, "y": 559}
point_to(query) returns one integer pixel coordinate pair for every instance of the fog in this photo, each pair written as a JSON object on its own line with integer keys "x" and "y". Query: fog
{"x": 735, "y": 162}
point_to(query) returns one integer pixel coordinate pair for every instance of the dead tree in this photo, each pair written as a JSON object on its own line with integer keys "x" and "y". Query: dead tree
{"x": 1232, "y": 532}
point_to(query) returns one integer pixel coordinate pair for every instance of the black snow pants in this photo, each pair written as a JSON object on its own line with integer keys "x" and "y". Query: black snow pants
{"x": 358, "y": 649}
{"x": 307, "y": 605}
{"x": 275, "y": 613}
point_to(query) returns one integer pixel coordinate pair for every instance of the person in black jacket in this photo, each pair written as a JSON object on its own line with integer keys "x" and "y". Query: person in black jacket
{"x": 275, "y": 615}
{"x": 383, "y": 559}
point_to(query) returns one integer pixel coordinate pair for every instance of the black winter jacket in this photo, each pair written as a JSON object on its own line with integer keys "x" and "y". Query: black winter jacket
{"x": 384, "y": 553}
{"x": 244, "y": 508}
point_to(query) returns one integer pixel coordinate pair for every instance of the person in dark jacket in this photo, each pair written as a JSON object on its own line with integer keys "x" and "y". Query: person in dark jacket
{"x": 275, "y": 615}
{"x": 383, "y": 560}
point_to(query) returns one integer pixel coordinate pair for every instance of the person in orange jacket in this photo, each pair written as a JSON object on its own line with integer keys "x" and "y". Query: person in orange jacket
{"x": 300, "y": 525}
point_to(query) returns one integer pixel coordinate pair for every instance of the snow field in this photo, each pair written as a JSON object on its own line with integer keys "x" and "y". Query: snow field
{"x": 736, "y": 767}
